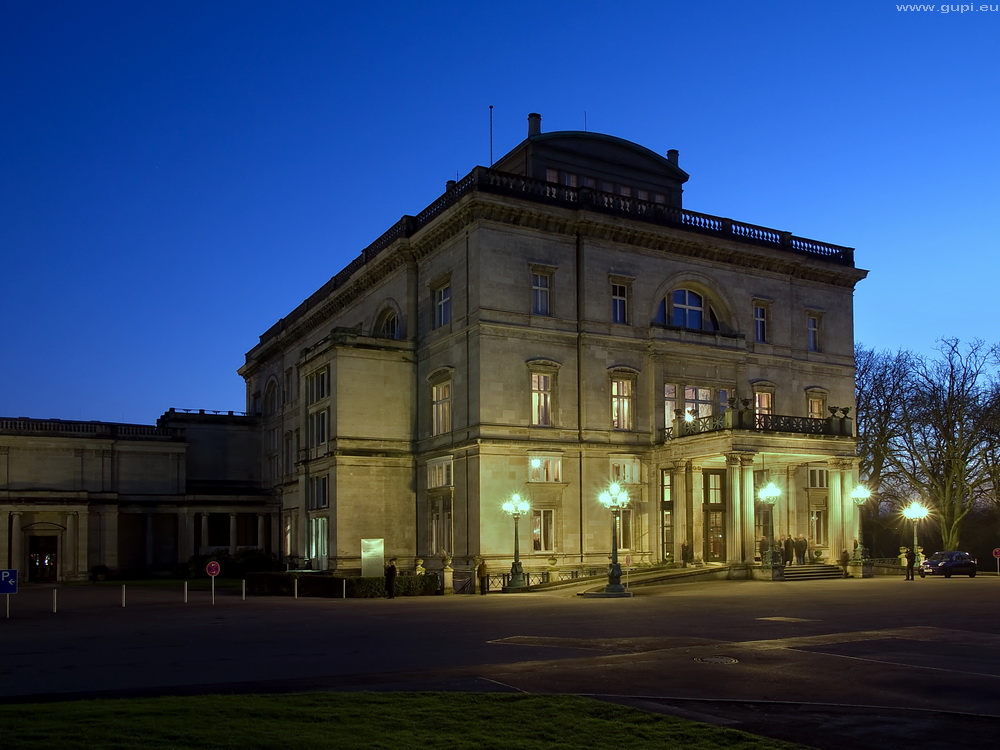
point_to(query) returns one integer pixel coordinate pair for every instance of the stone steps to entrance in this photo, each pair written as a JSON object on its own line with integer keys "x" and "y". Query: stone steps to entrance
{"x": 812, "y": 572}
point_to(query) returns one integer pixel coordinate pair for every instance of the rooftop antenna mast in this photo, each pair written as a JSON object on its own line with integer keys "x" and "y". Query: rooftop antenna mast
{"x": 491, "y": 136}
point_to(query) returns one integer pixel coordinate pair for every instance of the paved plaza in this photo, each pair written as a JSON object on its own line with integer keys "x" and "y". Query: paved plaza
{"x": 834, "y": 664}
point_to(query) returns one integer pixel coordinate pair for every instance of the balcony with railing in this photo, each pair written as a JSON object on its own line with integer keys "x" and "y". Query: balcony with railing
{"x": 741, "y": 417}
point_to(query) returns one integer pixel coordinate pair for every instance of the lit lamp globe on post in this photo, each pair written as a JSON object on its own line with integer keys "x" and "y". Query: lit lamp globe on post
{"x": 515, "y": 508}
{"x": 915, "y": 512}
{"x": 615, "y": 498}
{"x": 769, "y": 495}
{"x": 860, "y": 495}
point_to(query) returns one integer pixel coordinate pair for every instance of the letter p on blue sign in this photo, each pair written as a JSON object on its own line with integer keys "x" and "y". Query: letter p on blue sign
{"x": 8, "y": 581}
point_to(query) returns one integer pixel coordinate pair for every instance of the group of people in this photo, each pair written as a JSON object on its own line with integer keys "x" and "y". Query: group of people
{"x": 789, "y": 549}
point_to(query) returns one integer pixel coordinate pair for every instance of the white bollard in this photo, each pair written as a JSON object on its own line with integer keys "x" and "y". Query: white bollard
{"x": 185, "y": 592}
{"x": 54, "y": 606}
{"x": 296, "y": 580}
{"x": 123, "y": 595}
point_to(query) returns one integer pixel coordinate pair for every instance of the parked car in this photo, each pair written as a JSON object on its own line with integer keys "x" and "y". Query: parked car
{"x": 948, "y": 564}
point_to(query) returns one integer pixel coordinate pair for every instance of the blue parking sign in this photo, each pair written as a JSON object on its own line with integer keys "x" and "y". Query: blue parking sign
{"x": 8, "y": 581}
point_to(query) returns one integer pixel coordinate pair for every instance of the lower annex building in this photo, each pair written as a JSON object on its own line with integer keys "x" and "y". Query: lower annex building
{"x": 547, "y": 326}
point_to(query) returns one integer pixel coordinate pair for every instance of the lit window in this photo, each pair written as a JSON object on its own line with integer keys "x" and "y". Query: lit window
{"x": 621, "y": 404}
{"x": 541, "y": 285}
{"x": 669, "y": 403}
{"x": 441, "y": 524}
{"x": 817, "y": 525}
{"x": 317, "y": 385}
{"x": 763, "y": 403}
{"x": 541, "y": 399}
{"x": 760, "y": 324}
{"x": 543, "y": 530}
{"x": 545, "y": 469}
{"x": 698, "y": 402}
{"x": 817, "y": 407}
{"x": 441, "y": 408}
{"x": 619, "y": 303}
{"x": 812, "y": 333}
{"x": 442, "y": 305}
{"x": 552, "y": 175}
{"x": 623, "y": 528}
{"x": 818, "y": 478}
{"x": 625, "y": 470}
{"x": 439, "y": 473}
{"x": 666, "y": 485}
{"x": 318, "y": 539}
{"x": 712, "y": 484}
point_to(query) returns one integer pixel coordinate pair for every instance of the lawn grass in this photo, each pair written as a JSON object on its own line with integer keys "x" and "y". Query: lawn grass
{"x": 365, "y": 721}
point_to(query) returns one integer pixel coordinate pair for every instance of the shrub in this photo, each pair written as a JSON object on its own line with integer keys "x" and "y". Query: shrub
{"x": 331, "y": 586}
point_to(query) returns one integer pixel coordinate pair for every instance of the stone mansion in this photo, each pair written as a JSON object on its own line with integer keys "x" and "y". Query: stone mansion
{"x": 549, "y": 325}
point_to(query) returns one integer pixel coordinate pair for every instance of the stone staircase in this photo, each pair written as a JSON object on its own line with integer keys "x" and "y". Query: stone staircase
{"x": 812, "y": 572}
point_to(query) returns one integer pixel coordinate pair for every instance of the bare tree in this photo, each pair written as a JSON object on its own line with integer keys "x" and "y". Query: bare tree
{"x": 947, "y": 420}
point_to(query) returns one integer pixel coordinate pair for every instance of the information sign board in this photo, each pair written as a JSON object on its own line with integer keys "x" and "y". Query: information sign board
{"x": 8, "y": 581}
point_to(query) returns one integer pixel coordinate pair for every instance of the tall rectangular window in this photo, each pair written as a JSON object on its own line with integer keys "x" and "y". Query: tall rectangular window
{"x": 319, "y": 540}
{"x": 812, "y": 333}
{"x": 441, "y": 408}
{"x": 541, "y": 285}
{"x": 543, "y": 530}
{"x": 440, "y": 525}
{"x": 623, "y": 528}
{"x": 317, "y": 493}
{"x": 619, "y": 303}
{"x": 316, "y": 424}
{"x": 667, "y": 516}
{"x": 763, "y": 403}
{"x": 317, "y": 385}
{"x": 442, "y": 305}
{"x": 759, "y": 324}
{"x": 712, "y": 487}
{"x": 621, "y": 404}
{"x": 817, "y": 525}
{"x": 669, "y": 403}
{"x": 541, "y": 399}
{"x": 817, "y": 407}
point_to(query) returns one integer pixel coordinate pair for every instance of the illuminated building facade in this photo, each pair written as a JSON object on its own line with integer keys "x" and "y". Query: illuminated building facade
{"x": 545, "y": 327}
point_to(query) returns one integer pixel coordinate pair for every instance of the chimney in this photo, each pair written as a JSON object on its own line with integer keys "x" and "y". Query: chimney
{"x": 672, "y": 156}
{"x": 534, "y": 124}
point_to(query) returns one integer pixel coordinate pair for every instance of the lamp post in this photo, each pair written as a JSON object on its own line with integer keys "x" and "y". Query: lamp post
{"x": 615, "y": 498}
{"x": 860, "y": 495}
{"x": 769, "y": 494}
{"x": 915, "y": 512}
{"x": 515, "y": 508}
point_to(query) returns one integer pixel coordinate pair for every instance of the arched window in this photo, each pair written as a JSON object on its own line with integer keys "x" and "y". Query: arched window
{"x": 387, "y": 324}
{"x": 685, "y": 308}
{"x": 271, "y": 399}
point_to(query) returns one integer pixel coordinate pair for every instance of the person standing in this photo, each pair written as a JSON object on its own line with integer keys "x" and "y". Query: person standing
{"x": 909, "y": 557}
{"x": 789, "y": 549}
{"x": 390, "y": 579}
{"x": 845, "y": 559}
{"x": 800, "y": 550}
{"x": 483, "y": 574}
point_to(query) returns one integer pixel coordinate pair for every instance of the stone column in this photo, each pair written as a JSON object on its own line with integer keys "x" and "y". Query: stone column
{"x": 749, "y": 530}
{"x": 834, "y": 512}
{"x": 109, "y": 538}
{"x": 679, "y": 492}
{"x": 69, "y": 557}
{"x": 792, "y": 503}
{"x": 261, "y": 530}
{"x": 150, "y": 541}
{"x": 203, "y": 549}
{"x": 83, "y": 545}
{"x": 5, "y": 539}
{"x": 734, "y": 541}
{"x": 697, "y": 513}
{"x": 232, "y": 534}
{"x": 16, "y": 542}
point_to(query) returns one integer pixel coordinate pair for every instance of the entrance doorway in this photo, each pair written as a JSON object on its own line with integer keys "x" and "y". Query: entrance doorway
{"x": 42, "y": 567}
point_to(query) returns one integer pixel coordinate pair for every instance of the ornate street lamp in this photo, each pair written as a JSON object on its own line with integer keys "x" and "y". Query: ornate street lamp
{"x": 769, "y": 494}
{"x": 515, "y": 508}
{"x": 615, "y": 498}
{"x": 915, "y": 512}
{"x": 860, "y": 495}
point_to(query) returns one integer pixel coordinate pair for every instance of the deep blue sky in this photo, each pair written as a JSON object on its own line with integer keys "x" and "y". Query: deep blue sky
{"x": 176, "y": 176}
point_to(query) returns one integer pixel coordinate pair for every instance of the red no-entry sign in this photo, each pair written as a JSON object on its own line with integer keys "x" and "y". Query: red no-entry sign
{"x": 213, "y": 568}
{"x": 996, "y": 553}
